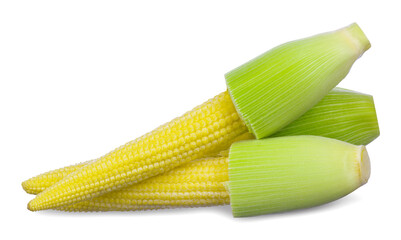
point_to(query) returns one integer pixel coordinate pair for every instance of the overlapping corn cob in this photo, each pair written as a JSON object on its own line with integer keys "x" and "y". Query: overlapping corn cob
{"x": 269, "y": 92}
{"x": 208, "y": 128}
{"x": 343, "y": 114}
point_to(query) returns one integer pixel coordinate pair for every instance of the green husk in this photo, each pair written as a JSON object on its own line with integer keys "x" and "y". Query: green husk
{"x": 342, "y": 114}
{"x": 287, "y": 173}
{"x": 280, "y": 85}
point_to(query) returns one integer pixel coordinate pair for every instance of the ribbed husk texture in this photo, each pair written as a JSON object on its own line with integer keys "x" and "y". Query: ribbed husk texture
{"x": 276, "y": 88}
{"x": 287, "y": 173}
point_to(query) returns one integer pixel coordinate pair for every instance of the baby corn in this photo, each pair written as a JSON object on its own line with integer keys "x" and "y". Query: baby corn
{"x": 264, "y": 95}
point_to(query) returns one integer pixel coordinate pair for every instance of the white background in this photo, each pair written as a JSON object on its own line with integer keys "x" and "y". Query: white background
{"x": 79, "y": 78}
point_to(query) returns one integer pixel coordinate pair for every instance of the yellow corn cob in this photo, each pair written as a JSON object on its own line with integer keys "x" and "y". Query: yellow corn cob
{"x": 198, "y": 183}
{"x": 39, "y": 183}
{"x": 208, "y": 128}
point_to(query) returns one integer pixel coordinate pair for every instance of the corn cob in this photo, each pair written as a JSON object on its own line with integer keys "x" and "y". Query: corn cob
{"x": 195, "y": 184}
{"x": 265, "y": 176}
{"x": 268, "y": 92}
{"x": 343, "y": 114}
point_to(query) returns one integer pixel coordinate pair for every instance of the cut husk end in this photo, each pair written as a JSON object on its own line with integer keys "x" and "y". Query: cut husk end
{"x": 364, "y": 166}
{"x": 357, "y": 38}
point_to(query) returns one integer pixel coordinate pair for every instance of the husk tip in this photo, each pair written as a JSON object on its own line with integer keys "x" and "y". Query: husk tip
{"x": 357, "y": 38}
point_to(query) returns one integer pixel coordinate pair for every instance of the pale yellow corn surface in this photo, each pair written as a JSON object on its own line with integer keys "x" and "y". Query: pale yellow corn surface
{"x": 208, "y": 128}
{"x": 195, "y": 184}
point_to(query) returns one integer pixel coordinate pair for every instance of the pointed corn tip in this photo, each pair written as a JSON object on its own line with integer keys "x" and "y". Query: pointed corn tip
{"x": 31, "y": 187}
{"x": 364, "y": 166}
{"x": 24, "y": 185}
{"x": 34, "y": 205}
{"x": 31, "y": 206}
